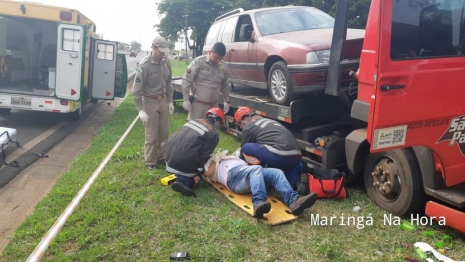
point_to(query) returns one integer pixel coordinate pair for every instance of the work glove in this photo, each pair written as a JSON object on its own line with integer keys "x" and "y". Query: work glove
{"x": 143, "y": 116}
{"x": 226, "y": 107}
{"x": 186, "y": 105}
{"x": 171, "y": 107}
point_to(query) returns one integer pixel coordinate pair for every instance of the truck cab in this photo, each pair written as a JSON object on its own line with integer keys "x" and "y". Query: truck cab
{"x": 410, "y": 96}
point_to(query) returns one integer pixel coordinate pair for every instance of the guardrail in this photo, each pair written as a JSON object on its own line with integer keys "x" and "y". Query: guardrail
{"x": 53, "y": 231}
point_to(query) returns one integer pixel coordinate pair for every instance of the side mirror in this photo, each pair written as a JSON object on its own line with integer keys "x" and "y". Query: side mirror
{"x": 253, "y": 37}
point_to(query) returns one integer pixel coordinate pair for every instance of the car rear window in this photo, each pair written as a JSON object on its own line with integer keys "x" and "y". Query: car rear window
{"x": 212, "y": 35}
{"x": 289, "y": 20}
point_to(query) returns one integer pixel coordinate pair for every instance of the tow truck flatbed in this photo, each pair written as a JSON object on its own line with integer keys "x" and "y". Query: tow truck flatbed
{"x": 259, "y": 100}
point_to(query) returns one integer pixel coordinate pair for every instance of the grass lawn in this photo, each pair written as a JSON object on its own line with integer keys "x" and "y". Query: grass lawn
{"x": 178, "y": 67}
{"x": 128, "y": 215}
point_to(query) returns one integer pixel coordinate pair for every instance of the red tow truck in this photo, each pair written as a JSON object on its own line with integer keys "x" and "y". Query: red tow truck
{"x": 401, "y": 127}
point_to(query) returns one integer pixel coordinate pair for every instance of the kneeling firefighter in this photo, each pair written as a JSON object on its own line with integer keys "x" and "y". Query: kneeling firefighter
{"x": 189, "y": 148}
{"x": 267, "y": 143}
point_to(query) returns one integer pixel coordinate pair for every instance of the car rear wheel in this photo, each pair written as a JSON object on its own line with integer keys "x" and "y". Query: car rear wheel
{"x": 279, "y": 84}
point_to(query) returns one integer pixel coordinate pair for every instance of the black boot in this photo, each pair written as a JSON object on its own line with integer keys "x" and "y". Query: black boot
{"x": 183, "y": 189}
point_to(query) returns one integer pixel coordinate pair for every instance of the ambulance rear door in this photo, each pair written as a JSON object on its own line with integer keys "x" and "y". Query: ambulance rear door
{"x": 70, "y": 62}
{"x": 103, "y": 69}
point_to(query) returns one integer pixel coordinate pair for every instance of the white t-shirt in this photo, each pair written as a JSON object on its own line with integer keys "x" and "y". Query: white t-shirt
{"x": 223, "y": 168}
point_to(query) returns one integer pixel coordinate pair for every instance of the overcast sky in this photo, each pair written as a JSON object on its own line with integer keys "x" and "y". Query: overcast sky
{"x": 122, "y": 21}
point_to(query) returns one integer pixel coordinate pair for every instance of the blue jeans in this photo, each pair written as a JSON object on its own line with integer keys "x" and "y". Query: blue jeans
{"x": 291, "y": 165}
{"x": 256, "y": 179}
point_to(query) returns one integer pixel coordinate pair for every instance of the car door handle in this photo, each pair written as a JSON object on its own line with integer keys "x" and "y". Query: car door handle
{"x": 73, "y": 55}
{"x": 391, "y": 87}
{"x": 106, "y": 72}
{"x": 232, "y": 50}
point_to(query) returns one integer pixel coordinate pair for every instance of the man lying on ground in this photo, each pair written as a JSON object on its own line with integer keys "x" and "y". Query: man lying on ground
{"x": 241, "y": 178}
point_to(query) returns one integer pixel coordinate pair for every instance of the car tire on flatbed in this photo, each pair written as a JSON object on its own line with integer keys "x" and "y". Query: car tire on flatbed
{"x": 280, "y": 84}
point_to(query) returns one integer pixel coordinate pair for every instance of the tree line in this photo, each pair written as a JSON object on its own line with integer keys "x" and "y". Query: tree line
{"x": 197, "y": 15}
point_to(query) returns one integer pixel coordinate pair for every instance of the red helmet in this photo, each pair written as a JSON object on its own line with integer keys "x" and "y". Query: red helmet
{"x": 216, "y": 112}
{"x": 241, "y": 112}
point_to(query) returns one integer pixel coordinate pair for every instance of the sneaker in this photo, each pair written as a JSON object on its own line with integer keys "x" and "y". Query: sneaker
{"x": 260, "y": 209}
{"x": 150, "y": 167}
{"x": 183, "y": 189}
{"x": 303, "y": 203}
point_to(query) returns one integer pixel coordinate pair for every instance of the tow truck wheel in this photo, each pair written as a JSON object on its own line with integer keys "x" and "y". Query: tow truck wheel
{"x": 76, "y": 115}
{"x": 280, "y": 84}
{"x": 393, "y": 180}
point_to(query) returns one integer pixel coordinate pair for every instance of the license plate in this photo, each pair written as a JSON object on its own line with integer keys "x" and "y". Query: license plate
{"x": 18, "y": 100}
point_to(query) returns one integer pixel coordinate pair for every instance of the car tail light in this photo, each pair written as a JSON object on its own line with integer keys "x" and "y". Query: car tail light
{"x": 63, "y": 102}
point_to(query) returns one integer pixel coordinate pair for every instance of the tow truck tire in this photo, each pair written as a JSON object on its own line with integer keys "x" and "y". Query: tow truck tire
{"x": 393, "y": 180}
{"x": 76, "y": 115}
{"x": 280, "y": 84}
{"x": 5, "y": 111}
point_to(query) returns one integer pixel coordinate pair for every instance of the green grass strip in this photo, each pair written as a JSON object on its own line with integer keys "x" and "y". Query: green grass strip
{"x": 128, "y": 215}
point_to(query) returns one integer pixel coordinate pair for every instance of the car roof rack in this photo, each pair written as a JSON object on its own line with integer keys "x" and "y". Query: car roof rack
{"x": 235, "y": 11}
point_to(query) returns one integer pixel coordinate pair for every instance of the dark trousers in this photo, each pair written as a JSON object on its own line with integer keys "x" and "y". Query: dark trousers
{"x": 188, "y": 181}
{"x": 290, "y": 165}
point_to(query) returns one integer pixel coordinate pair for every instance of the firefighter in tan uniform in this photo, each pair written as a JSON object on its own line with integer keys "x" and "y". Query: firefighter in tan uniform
{"x": 153, "y": 96}
{"x": 205, "y": 78}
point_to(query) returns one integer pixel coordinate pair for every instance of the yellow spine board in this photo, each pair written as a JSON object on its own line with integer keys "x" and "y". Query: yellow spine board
{"x": 279, "y": 213}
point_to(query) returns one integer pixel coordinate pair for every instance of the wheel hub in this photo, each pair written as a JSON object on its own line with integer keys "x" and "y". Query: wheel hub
{"x": 386, "y": 179}
{"x": 278, "y": 84}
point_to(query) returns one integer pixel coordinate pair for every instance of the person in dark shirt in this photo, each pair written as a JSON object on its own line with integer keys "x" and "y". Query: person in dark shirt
{"x": 267, "y": 143}
{"x": 189, "y": 148}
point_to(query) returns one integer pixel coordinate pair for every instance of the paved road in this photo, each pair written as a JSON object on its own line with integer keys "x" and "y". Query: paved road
{"x": 18, "y": 198}
{"x": 64, "y": 141}
{"x": 38, "y": 132}
{"x": 132, "y": 62}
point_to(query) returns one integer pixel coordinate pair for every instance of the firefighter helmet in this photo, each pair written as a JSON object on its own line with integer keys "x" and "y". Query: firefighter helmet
{"x": 216, "y": 112}
{"x": 241, "y": 112}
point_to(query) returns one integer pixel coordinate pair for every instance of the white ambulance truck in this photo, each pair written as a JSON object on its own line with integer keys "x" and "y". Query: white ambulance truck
{"x": 51, "y": 60}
